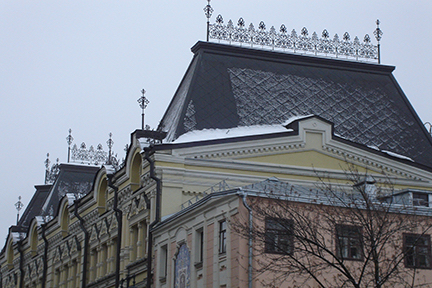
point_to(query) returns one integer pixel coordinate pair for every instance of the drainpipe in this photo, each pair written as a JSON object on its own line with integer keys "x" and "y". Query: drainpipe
{"x": 250, "y": 240}
{"x": 21, "y": 264}
{"x": 86, "y": 244}
{"x": 45, "y": 257}
{"x": 157, "y": 216}
{"x": 119, "y": 216}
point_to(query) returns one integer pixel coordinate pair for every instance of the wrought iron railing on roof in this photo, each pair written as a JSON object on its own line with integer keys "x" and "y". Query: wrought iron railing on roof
{"x": 221, "y": 186}
{"x": 302, "y": 43}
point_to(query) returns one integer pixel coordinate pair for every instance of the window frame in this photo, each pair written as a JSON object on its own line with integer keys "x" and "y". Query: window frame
{"x": 419, "y": 200}
{"x": 416, "y": 254}
{"x": 344, "y": 231}
{"x": 163, "y": 262}
{"x": 199, "y": 247}
{"x": 282, "y": 236}
{"x": 222, "y": 237}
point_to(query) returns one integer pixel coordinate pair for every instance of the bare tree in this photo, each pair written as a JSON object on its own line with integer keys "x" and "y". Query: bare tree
{"x": 331, "y": 236}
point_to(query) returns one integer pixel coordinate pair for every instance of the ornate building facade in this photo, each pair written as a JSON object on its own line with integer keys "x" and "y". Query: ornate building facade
{"x": 240, "y": 116}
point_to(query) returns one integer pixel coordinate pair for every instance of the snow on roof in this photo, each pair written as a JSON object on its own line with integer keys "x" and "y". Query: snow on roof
{"x": 397, "y": 155}
{"x": 294, "y": 118}
{"x": 212, "y": 134}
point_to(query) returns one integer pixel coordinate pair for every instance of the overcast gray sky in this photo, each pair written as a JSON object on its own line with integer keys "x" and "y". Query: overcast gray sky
{"x": 81, "y": 64}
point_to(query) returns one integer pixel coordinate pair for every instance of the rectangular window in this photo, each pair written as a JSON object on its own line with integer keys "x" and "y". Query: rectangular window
{"x": 163, "y": 262}
{"x": 349, "y": 241}
{"x": 199, "y": 247}
{"x": 417, "y": 250}
{"x": 279, "y": 237}
{"x": 420, "y": 199}
{"x": 222, "y": 236}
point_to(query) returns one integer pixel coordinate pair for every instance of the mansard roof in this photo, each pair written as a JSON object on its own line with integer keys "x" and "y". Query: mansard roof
{"x": 34, "y": 208}
{"x": 227, "y": 86}
{"x": 75, "y": 179}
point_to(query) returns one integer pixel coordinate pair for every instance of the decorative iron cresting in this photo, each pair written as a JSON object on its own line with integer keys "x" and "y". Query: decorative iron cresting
{"x": 298, "y": 43}
{"x": 52, "y": 172}
{"x": 91, "y": 155}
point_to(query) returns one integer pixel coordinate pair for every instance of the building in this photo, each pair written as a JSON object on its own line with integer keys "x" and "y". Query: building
{"x": 240, "y": 116}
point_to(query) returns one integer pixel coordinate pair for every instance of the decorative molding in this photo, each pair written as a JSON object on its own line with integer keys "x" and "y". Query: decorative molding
{"x": 344, "y": 154}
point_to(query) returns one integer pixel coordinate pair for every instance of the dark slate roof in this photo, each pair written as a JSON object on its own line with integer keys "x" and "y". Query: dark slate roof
{"x": 34, "y": 208}
{"x": 227, "y": 86}
{"x": 75, "y": 179}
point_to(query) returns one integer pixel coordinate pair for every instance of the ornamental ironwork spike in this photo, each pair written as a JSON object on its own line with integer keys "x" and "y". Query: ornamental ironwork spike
{"x": 18, "y": 205}
{"x": 378, "y": 35}
{"x": 208, "y": 10}
{"x": 378, "y": 32}
{"x": 336, "y": 38}
{"x": 283, "y": 29}
{"x": 241, "y": 23}
{"x": 47, "y": 162}
{"x": 69, "y": 140}
{"x": 110, "y": 144}
{"x": 143, "y": 102}
{"x": 251, "y": 28}
{"x": 230, "y": 24}
{"x": 366, "y": 39}
{"x": 47, "y": 172}
{"x": 262, "y": 26}
{"x": 346, "y": 37}
{"x": 219, "y": 19}
{"x": 314, "y": 36}
{"x": 356, "y": 40}
{"x": 294, "y": 33}
{"x": 304, "y": 32}
{"x": 325, "y": 34}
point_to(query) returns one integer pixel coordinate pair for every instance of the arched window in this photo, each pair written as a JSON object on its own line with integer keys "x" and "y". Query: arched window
{"x": 10, "y": 254}
{"x": 64, "y": 220}
{"x": 102, "y": 195}
{"x": 34, "y": 241}
{"x": 135, "y": 170}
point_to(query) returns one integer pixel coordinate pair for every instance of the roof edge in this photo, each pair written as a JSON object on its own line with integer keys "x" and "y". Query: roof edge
{"x": 302, "y": 59}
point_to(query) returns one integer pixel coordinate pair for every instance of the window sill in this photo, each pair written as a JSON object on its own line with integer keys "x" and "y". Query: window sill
{"x": 198, "y": 265}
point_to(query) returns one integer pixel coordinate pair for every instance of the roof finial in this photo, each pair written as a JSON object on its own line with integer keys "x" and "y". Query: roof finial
{"x": 18, "y": 205}
{"x": 110, "y": 144}
{"x": 378, "y": 35}
{"x": 69, "y": 140}
{"x": 143, "y": 102}
{"x": 208, "y": 10}
{"x": 47, "y": 164}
